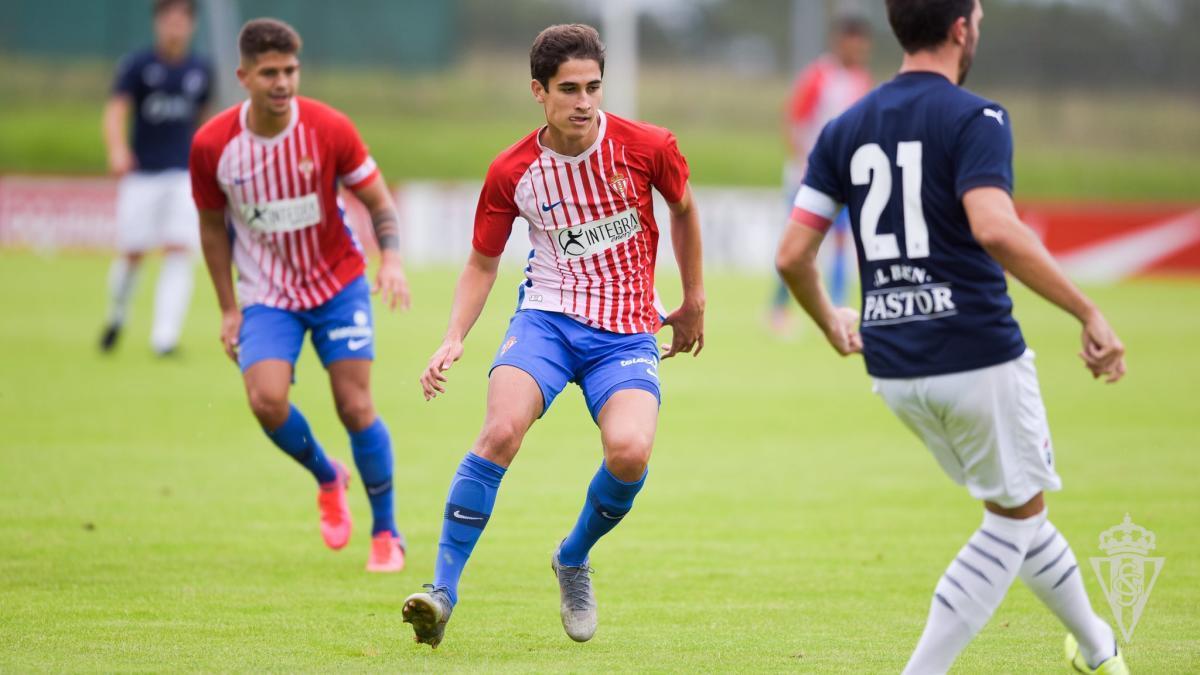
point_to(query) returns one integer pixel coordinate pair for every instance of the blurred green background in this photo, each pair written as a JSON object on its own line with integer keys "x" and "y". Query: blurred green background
{"x": 1103, "y": 96}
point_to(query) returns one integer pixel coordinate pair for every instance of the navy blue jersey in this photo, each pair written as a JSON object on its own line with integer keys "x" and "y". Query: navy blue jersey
{"x": 900, "y": 159}
{"x": 166, "y": 99}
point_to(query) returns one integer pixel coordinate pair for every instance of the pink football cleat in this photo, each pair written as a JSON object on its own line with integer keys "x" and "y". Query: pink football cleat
{"x": 335, "y": 513}
{"x": 387, "y": 553}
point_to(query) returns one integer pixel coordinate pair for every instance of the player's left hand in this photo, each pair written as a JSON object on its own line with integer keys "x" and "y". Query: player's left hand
{"x": 687, "y": 330}
{"x": 1103, "y": 352}
{"x": 231, "y": 327}
{"x": 391, "y": 282}
{"x": 843, "y": 332}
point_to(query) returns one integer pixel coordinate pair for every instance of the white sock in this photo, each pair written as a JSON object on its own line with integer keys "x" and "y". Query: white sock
{"x": 122, "y": 279}
{"x": 1050, "y": 571}
{"x": 971, "y": 589}
{"x": 171, "y": 299}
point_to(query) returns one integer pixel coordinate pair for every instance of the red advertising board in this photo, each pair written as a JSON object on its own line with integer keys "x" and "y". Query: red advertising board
{"x": 1094, "y": 241}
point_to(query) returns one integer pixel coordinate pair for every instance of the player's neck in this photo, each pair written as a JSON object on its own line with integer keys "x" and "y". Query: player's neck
{"x": 944, "y": 62}
{"x": 171, "y": 53}
{"x": 265, "y": 124}
{"x": 569, "y": 146}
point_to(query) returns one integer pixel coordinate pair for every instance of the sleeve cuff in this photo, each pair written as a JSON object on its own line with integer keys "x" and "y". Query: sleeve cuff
{"x": 816, "y": 202}
{"x": 484, "y": 250}
{"x": 810, "y": 219}
{"x": 966, "y": 186}
{"x": 365, "y": 173}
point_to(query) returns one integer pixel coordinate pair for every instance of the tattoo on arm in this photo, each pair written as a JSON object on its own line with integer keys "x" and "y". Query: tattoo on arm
{"x": 387, "y": 229}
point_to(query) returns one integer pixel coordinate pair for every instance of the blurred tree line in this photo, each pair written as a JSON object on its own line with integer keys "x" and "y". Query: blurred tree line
{"x": 1038, "y": 44}
{"x": 1043, "y": 44}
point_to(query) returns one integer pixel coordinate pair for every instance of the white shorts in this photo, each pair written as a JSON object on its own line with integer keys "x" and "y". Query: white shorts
{"x": 156, "y": 210}
{"x": 986, "y": 427}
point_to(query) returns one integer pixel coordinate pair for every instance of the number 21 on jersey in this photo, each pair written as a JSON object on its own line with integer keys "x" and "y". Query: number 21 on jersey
{"x": 870, "y": 166}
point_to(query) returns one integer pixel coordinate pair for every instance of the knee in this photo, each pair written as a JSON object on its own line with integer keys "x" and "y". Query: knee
{"x": 270, "y": 407}
{"x": 356, "y": 412}
{"x": 627, "y": 453}
{"x": 499, "y": 441}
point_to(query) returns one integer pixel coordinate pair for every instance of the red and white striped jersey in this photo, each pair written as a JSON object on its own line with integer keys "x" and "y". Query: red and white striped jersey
{"x": 291, "y": 246}
{"x": 824, "y": 90}
{"x": 591, "y": 221}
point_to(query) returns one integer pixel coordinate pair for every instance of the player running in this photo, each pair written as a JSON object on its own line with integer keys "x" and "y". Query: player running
{"x": 926, "y": 169}
{"x": 587, "y": 312}
{"x": 270, "y": 168}
{"x": 830, "y": 84}
{"x": 164, "y": 90}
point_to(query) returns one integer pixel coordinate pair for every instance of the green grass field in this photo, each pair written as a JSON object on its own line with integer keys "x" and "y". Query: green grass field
{"x": 789, "y": 522}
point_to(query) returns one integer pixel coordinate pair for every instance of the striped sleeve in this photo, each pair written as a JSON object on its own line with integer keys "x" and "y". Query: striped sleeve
{"x": 355, "y": 167}
{"x": 206, "y": 190}
{"x": 496, "y": 210}
{"x": 819, "y": 198}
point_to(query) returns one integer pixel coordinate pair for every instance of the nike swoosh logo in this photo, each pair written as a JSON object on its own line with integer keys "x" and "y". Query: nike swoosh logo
{"x": 610, "y": 517}
{"x": 652, "y": 373}
{"x": 546, "y": 207}
{"x": 460, "y": 516}
{"x": 355, "y": 345}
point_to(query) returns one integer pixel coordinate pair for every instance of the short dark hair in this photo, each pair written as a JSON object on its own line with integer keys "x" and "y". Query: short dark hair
{"x": 161, "y": 6}
{"x": 925, "y": 24}
{"x": 260, "y": 36}
{"x": 851, "y": 24}
{"x": 558, "y": 44}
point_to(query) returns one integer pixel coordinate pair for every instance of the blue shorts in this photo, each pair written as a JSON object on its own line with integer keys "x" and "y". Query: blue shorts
{"x": 342, "y": 328}
{"x": 556, "y": 349}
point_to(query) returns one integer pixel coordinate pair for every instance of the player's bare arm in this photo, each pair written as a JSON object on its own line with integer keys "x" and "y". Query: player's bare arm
{"x": 797, "y": 264}
{"x": 687, "y": 322}
{"x": 116, "y": 141}
{"x": 474, "y": 285}
{"x": 998, "y": 229}
{"x": 218, "y": 257}
{"x": 390, "y": 280}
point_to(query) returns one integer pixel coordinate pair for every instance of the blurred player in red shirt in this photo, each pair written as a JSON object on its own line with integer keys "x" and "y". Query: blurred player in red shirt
{"x": 265, "y": 177}
{"x": 829, "y": 85}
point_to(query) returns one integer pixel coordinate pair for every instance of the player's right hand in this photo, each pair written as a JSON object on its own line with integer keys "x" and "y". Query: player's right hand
{"x": 231, "y": 327}
{"x": 434, "y": 374}
{"x": 1103, "y": 353}
{"x": 120, "y": 161}
{"x": 843, "y": 332}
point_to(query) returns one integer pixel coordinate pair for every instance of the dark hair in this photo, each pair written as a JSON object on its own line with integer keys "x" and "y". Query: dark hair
{"x": 558, "y": 44}
{"x": 925, "y": 24}
{"x": 851, "y": 24}
{"x": 161, "y": 6}
{"x": 260, "y": 36}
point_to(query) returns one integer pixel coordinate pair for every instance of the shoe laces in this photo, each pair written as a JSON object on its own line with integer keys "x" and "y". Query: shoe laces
{"x": 441, "y": 596}
{"x": 330, "y": 508}
{"x": 577, "y": 586}
{"x": 383, "y": 545}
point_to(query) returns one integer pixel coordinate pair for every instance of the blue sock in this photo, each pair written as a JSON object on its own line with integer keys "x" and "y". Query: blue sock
{"x": 468, "y": 507}
{"x": 373, "y": 457}
{"x": 296, "y": 439}
{"x": 608, "y": 500}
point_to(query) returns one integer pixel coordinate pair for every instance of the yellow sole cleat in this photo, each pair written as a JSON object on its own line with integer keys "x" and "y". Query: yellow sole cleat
{"x": 1113, "y": 666}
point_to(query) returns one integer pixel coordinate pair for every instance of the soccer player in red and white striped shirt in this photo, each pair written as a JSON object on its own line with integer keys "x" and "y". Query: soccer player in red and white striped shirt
{"x": 587, "y": 311}
{"x": 265, "y": 175}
